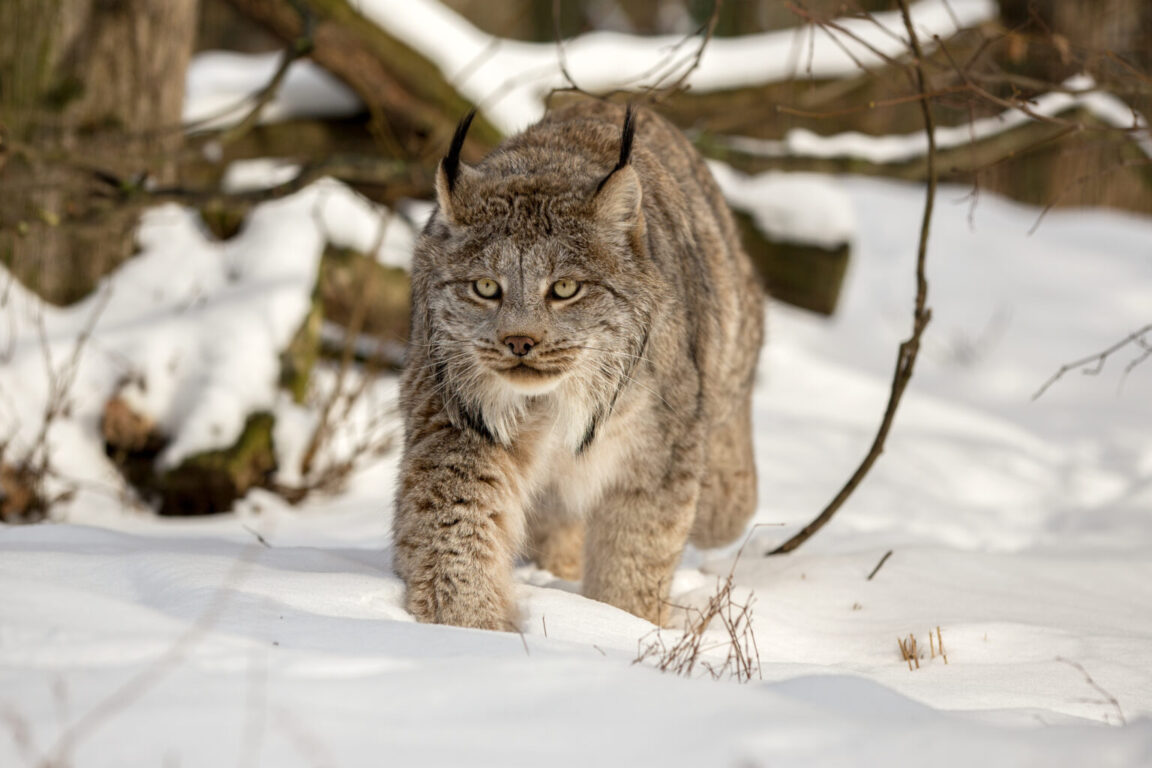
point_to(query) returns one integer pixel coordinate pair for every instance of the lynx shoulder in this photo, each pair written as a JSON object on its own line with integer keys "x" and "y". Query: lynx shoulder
{"x": 585, "y": 331}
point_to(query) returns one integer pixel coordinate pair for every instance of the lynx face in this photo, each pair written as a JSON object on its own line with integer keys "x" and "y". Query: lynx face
{"x": 534, "y": 292}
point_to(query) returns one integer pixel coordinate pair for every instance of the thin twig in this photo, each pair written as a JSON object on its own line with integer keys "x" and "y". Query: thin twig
{"x": 1099, "y": 688}
{"x": 1078, "y": 181}
{"x": 870, "y": 106}
{"x": 706, "y": 31}
{"x": 906, "y": 356}
{"x": 1093, "y": 364}
{"x": 883, "y": 560}
{"x": 297, "y": 49}
{"x": 828, "y": 24}
{"x": 561, "y": 56}
{"x": 259, "y": 536}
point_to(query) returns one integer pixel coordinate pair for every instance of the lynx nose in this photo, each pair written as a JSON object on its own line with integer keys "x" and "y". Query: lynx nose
{"x": 520, "y": 345}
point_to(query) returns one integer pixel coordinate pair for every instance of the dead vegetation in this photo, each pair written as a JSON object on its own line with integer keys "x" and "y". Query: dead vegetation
{"x": 911, "y": 651}
{"x": 695, "y": 648}
{"x": 30, "y": 482}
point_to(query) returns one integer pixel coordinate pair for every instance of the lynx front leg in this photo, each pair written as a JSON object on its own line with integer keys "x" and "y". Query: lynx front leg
{"x": 459, "y": 523}
{"x": 634, "y": 541}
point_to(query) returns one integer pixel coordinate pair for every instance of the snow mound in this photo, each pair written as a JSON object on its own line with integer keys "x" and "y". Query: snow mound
{"x": 189, "y": 331}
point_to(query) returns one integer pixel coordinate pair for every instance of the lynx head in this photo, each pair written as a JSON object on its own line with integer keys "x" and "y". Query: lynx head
{"x": 532, "y": 279}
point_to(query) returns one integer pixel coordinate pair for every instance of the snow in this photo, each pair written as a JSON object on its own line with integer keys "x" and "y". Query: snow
{"x": 791, "y": 207}
{"x": 258, "y": 173}
{"x": 899, "y": 148}
{"x": 1021, "y": 529}
{"x": 157, "y": 324}
{"x": 509, "y": 79}
{"x": 220, "y": 90}
{"x": 276, "y": 634}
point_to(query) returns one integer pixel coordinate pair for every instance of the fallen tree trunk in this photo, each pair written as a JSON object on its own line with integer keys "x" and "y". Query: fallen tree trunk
{"x": 414, "y": 108}
{"x": 1037, "y": 163}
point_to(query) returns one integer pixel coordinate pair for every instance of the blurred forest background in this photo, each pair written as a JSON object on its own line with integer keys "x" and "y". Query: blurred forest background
{"x": 92, "y": 133}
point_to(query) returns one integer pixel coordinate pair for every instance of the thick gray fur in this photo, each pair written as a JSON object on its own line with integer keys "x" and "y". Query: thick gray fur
{"x": 625, "y": 428}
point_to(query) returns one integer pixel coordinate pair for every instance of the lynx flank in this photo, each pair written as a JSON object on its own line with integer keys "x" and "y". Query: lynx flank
{"x": 585, "y": 329}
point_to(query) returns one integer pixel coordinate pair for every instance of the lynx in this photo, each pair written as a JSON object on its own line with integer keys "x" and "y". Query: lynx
{"x": 585, "y": 331}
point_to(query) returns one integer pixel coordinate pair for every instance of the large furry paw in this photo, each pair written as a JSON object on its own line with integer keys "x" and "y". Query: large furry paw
{"x": 641, "y": 601}
{"x": 462, "y": 605}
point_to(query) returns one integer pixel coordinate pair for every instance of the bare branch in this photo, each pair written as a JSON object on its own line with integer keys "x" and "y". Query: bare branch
{"x": 294, "y": 50}
{"x": 879, "y": 565}
{"x": 1093, "y": 364}
{"x": 706, "y": 37}
{"x": 906, "y": 356}
{"x": 1108, "y": 697}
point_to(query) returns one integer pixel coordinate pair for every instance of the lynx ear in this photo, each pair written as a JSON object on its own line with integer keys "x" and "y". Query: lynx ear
{"x": 452, "y": 175}
{"x": 618, "y": 198}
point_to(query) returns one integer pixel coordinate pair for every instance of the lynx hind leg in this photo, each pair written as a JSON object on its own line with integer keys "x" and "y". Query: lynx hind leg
{"x": 556, "y": 541}
{"x": 728, "y": 488}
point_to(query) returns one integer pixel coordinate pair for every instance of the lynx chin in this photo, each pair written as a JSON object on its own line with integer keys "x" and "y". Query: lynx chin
{"x": 585, "y": 330}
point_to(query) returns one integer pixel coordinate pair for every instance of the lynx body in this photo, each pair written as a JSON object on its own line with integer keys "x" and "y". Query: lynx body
{"x": 585, "y": 331}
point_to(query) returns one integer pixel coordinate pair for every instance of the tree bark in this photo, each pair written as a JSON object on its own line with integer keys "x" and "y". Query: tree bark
{"x": 414, "y": 108}
{"x": 87, "y": 87}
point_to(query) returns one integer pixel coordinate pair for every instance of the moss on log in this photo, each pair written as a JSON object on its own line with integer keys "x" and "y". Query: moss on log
{"x": 211, "y": 481}
{"x": 203, "y": 483}
{"x": 298, "y": 360}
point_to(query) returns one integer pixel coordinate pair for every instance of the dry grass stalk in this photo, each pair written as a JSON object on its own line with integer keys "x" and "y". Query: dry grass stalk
{"x": 336, "y": 406}
{"x": 684, "y": 656}
{"x": 24, "y": 479}
{"x": 910, "y": 651}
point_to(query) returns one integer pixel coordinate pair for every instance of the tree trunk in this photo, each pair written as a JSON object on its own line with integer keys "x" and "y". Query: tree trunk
{"x": 90, "y": 91}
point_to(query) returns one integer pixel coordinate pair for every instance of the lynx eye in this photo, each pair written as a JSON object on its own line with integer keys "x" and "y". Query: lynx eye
{"x": 487, "y": 288}
{"x": 565, "y": 289}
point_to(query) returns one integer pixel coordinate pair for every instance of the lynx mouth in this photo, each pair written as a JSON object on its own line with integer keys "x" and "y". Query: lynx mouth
{"x": 529, "y": 379}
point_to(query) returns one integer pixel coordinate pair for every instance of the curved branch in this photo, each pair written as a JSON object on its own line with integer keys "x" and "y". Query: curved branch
{"x": 906, "y": 356}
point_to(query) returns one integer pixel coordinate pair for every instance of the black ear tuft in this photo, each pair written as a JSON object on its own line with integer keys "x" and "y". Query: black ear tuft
{"x": 452, "y": 159}
{"x": 625, "y": 144}
{"x": 626, "y": 139}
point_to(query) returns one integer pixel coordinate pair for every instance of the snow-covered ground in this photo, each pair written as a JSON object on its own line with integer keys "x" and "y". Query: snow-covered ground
{"x": 1022, "y": 529}
{"x": 275, "y": 635}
